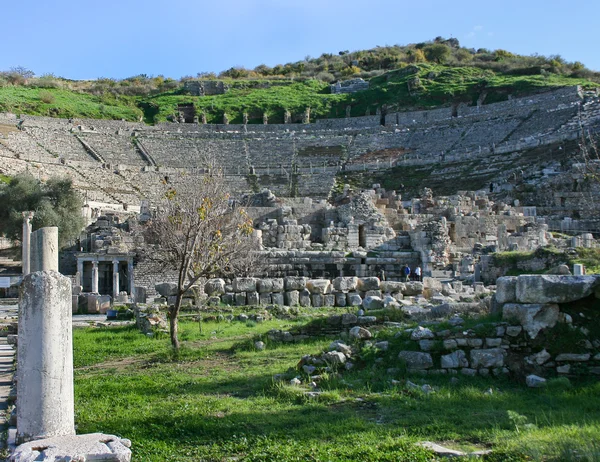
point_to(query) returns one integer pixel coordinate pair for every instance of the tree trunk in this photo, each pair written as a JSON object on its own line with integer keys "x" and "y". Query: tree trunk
{"x": 174, "y": 322}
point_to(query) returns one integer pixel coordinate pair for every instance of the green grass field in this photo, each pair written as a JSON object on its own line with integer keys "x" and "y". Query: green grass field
{"x": 217, "y": 401}
{"x": 432, "y": 85}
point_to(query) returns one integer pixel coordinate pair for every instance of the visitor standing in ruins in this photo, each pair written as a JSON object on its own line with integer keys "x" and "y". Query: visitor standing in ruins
{"x": 417, "y": 273}
{"x": 406, "y": 271}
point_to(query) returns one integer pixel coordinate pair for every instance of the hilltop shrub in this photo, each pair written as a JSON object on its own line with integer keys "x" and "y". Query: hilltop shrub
{"x": 47, "y": 97}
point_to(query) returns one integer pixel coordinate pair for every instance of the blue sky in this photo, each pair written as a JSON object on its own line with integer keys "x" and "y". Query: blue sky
{"x": 121, "y": 38}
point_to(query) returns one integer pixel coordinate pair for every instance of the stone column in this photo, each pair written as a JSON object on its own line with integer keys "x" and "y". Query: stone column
{"x": 131, "y": 278}
{"x": 45, "y": 358}
{"x": 95, "y": 277}
{"x": 44, "y": 249}
{"x": 27, "y": 216}
{"x": 80, "y": 272}
{"x": 115, "y": 279}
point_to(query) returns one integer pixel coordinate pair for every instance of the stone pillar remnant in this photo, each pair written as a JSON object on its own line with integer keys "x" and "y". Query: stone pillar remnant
{"x": 45, "y": 358}
{"x": 115, "y": 279}
{"x": 95, "y": 277}
{"x": 44, "y": 249}
{"x": 130, "y": 278}
{"x": 27, "y": 216}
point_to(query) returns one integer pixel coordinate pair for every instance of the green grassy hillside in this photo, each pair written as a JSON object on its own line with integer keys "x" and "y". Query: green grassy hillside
{"x": 416, "y": 76}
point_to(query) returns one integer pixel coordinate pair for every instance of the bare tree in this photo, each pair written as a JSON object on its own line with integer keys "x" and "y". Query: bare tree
{"x": 199, "y": 232}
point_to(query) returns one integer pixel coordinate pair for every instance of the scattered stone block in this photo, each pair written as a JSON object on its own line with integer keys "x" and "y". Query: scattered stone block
{"x": 533, "y": 318}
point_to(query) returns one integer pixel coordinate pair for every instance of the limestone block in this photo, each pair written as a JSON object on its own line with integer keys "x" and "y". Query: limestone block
{"x": 370, "y": 283}
{"x": 277, "y": 298}
{"x": 252, "y": 298}
{"x": 491, "y": 357}
{"x": 244, "y": 285}
{"x": 228, "y": 298}
{"x": 265, "y": 285}
{"x": 373, "y": 293}
{"x": 433, "y": 284}
{"x": 334, "y": 357}
{"x": 318, "y": 286}
{"x": 74, "y": 304}
{"x": 533, "y": 318}
{"x": 420, "y": 333}
{"x": 413, "y": 288}
{"x": 455, "y": 360}
{"x": 416, "y": 359}
{"x": 328, "y": 300}
{"x": 93, "y": 446}
{"x": 427, "y": 345}
{"x": 573, "y": 357}
{"x": 535, "y": 381}
{"x": 317, "y": 300}
{"x": 354, "y": 299}
{"x": 348, "y": 319}
{"x": 345, "y": 284}
{"x": 294, "y": 283}
{"x": 140, "y": 294}
{"x": 45, "y": 358}
{"x": 92, "y": 306}
{"x": 213, "y": 300}
{"x": 304, "y": 298}
{"x": 214, "y": 287}
{"x": 340, "y": 299}
{"x": 544, "y": 288}
{"x": 366, "y": 320}
{"x": 392, "y": 287}
{"x": 372, "y": 303}
{"x": 240, "y": 298}
{"x": 450, "y": 344}
{"x": 506, "y": 289}
{"x": 358, "y": 332}
{"x": 103, "y": 303}
{"x": 166, "y": 289}
{"x": 265, "y": 299}
{"x": 292, "y": 298}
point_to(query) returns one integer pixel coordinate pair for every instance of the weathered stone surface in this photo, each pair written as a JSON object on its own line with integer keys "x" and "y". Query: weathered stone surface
{"x": 240, "y": 298}
{"x": 252, "y": 298}
{"x": 45, "y": 358}
{"x": 493, "y": 342}
{"x": 340, "y": 299}
{"x": 367, "y": 320}
{"x": 265, "y": 285}
{"x": 294, "y": 283}
{"x": 370, "y": 283}
{"x": 345, "y": 284}
{"x": 383, "y": 345}
{"x": 214, "y": 287}
{"x": 338, "y": 345}
{"x": 450, "y": 344}
{"x": 454, "y": 360}
{"x": 318, "y": 286}
{"x": 334, "y": 357}
{"x": 265, "y": 298}
{"x": 244, "y": 285}
{"x": 390, "y": 287}
{"x": 492, "y": 357}
{"x": 277, "y": 298}
{"x": 292, "y": 298}
{"x": 535, "y": 381}
{"x": 304, "y": 298}
{"x": 328, "y": 300}
{"x": 416, "y": 359}
{"x": 93, "y": 446}
{"x": 506, "y": 289}
{"x": 420, "y": 333}
{"x": 573, "y": 357}
{"x": 372, "y": 303}
{"x": 413, "y": 288}
{"x": 317, "y": 300}
{"x": 354, "y": 299}
{"x": 427, "y": 345}
{"x": 539, "y": 358}
{"x": 544, "y": 288}
{"x": 166, "y": 289}
{"x": 533, "y": 318}
{"x": 348, "y": 319}
{"x": 358, "y": 332}
{"x": 513, "y": 331}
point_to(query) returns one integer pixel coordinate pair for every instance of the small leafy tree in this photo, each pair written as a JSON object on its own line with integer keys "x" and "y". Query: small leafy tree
{"x": 55, "y": 203}
{"x": 198, "y": 232}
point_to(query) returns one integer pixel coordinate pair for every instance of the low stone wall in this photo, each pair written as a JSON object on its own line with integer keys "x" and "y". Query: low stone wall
{"x": 302, "y": 291}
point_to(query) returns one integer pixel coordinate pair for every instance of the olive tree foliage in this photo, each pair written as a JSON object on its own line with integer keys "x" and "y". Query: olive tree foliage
{"x": 198, "y": 232}
{"x": 55, "y": 203}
